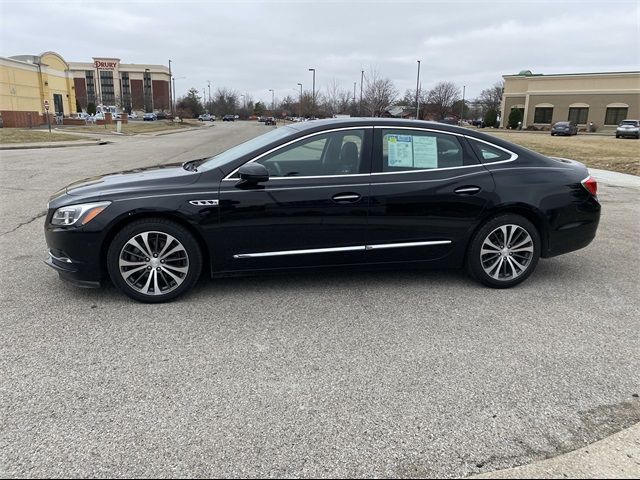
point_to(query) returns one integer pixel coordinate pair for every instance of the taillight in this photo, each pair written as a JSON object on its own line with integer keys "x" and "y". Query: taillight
{"x": 591, "y": 185}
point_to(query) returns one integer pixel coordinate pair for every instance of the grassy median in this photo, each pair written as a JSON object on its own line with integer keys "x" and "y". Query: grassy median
{"x": 597, "y": 151}
{"x": 18, "y": 135}
{"x": 133, "y": 127}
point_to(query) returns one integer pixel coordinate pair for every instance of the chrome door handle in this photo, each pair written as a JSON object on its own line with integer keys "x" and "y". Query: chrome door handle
{"x": 346, "y": 197}
{"x": 468, "y": 190}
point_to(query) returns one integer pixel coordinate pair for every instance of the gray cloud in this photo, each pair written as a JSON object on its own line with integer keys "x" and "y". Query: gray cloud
{"x": 255, "y": 46}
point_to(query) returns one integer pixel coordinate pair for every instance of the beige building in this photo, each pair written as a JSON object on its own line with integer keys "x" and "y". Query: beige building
{"x": 602, "y": 98}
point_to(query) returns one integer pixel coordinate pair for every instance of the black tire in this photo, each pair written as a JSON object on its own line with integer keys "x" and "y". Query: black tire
{"x": 170, "y": 276}
{"x": 491, "y": 229}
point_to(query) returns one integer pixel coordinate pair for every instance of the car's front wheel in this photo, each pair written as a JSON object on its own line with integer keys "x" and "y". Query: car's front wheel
{"x": 154, "y": 260}
{"x": 504, "y": 251}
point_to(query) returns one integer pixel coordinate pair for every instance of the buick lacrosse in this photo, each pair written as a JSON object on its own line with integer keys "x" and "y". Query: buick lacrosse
{"x": 335, "y": 193}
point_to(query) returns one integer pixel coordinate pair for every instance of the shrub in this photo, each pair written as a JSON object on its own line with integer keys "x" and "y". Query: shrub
{"x": 515, "y": 117}
{"x": 490, "y": 118}
{"x": 91, "y": 108}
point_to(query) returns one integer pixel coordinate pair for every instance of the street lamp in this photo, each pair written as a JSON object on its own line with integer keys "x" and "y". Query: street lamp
{"x": 418, "y": 93}
{"x": 313, "y": 92}
{"x": 209, "y": 104}
{"x": 273, "y": 102}
{"x": 361, "y": 81}
{"x": 244, "y": 102}
{"x": 300, "y": 106}
{"x": 464, "y": 88}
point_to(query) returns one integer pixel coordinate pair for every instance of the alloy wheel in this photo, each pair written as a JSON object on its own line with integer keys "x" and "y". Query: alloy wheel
{"x": 153, "y": 263}
{"x": 506, "y": 252}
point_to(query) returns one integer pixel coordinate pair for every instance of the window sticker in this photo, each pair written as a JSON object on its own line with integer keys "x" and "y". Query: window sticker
{"x": 425, "y": 152}
{"x": 400, "y": 150}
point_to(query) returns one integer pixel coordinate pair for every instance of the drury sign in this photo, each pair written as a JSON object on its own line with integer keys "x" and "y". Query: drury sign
{"x": 105, "y": 64}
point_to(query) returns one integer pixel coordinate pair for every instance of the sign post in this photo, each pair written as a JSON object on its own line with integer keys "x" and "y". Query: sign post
{"x": 46, "y": 109}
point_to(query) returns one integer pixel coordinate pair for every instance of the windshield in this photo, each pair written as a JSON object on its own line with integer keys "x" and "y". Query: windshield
{"x": 629, "y": 122}
{"x": 246, "y": 147}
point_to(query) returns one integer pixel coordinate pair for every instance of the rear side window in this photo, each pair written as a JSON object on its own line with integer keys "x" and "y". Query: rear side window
{"x": 421, "y": 150}
{"x": 489, "y": 153}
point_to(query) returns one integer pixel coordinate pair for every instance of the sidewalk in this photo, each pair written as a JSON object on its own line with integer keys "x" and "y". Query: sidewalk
{"x": 617, "y": 456}
{"x": 74, "y": 143}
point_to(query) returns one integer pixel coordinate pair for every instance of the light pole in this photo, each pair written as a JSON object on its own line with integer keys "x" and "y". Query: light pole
{"x": 209, "y": 104}
{"x": 174, "y": 87}
{"x": 313, "y": 92}
{"x": 170, "y": 95}
{"x": 354, "y": 93}
{"x": 300, "y": 102}
{"x": 244, "y": 103}
{"x": 273, "y": 102}
{"x": 464, "y": 89}
{"x": 361, "y": 81}
{"x": 418, "y": 93}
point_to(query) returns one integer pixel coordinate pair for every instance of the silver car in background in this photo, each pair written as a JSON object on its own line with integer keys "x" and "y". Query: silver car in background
{"x": 628, "y": 128}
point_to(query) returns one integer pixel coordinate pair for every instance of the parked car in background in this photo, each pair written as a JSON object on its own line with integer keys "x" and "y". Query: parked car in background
{"x": 205, "y": 117}
{"x": 229, "y": 118}
{"x": 149, "y": 117}
{"x": 628, "y": 128}
{"x": 270, "y": 121}
{"x": 564, "y": 128}
{"x": 162, "y": 115}
{"x": 133, "y": 115}
{"x": 327, "y": 193}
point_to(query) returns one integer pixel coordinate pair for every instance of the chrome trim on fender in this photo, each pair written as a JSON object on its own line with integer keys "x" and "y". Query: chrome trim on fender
{"x": 59, "y": 259}
{"x": 204, "y": 203}
{"x": 343, "y": 249}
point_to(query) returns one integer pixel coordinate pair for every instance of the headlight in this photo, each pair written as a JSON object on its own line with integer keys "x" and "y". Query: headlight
{"x": 84, "y": 212}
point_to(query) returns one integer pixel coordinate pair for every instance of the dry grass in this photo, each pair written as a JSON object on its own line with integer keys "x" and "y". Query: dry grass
{"x": 132, "y": 128}
{"x": 597, "y": 151}
{"x": 18, "y": 135}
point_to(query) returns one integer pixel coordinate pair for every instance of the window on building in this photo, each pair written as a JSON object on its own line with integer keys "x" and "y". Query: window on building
{"x": 578, "y": 115}
{"x": 615, "y": 115}
{"x": 107, "y": 88}
{"x": 91, "y": 87}
{"x": 126, "y": 91}
{"x": 543, "y": 115}
{"x": 148, "y": 96}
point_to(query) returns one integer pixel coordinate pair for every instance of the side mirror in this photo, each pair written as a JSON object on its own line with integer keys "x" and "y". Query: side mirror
{"x": 252, "y": 174}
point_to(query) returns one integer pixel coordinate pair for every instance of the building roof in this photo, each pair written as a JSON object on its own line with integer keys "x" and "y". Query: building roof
{"x": 528, "y": 73}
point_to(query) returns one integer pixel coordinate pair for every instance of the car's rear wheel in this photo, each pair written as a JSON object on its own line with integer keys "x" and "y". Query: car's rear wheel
{"x": 154, "y": 260}
{"x": 504, "y": 251}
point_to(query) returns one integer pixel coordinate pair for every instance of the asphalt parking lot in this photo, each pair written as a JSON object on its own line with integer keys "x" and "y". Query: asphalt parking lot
{"x": 393, "y": 373}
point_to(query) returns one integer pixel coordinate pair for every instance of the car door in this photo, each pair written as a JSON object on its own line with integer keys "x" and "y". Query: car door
{"x": 428, "y": 191}
{"x": 311, "y": 211}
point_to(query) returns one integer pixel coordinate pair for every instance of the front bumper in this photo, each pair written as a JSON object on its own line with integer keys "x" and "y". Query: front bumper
{"x": 627, "y": 133}
{"x": 69, "y": 272}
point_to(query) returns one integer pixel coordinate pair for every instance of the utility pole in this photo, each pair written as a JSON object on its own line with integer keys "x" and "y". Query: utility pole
{"x": 313, "y": 93}
{"x": 418, "y": 93}
{"x": 361, "y": 81}
{"x": 300, "y": 102}
{"x": 354, "y": 93}
{"x": 273, "y": 102}
{"x": 209, "y": 104}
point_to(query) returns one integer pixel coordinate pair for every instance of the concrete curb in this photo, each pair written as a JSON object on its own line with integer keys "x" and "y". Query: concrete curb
{"x": 617, "y": 456}
{"x": 615, "y": 179}
{"x": 30, "y": 146}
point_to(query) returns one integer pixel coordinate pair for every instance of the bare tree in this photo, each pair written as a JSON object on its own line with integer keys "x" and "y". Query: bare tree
{"x": 442, "y": 97}
{"x": 336, "y": 99}
{"x": 491, "y": 98}
{"x": 225, "y": 101}
{"x": 379, "y": 93}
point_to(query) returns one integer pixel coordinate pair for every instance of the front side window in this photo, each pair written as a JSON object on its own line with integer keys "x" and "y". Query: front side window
{"x": 334, "y": 153}
{"x": 421, "y": 150}
{"x": 615, "y": 115}
{"x": 543, "y": 115}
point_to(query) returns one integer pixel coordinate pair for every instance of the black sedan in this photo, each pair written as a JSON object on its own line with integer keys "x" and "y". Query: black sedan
{"x": 564, "y": 128}
{"x": 336, "y": 193}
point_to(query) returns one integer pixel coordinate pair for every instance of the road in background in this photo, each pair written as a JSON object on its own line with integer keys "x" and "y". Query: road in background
{"x": 396, "y": 373}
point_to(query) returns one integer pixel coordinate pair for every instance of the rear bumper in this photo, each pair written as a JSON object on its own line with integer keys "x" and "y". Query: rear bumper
{"x": 575, "y": 229}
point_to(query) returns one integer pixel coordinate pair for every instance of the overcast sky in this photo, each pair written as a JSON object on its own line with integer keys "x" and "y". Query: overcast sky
{"x": 253, "y": 46}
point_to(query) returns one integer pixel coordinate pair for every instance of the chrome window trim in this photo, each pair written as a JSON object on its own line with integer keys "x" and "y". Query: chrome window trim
{"x": 184, "y": 194}
{"x": 275, "y": 149}
{"x": 357, "y": 248}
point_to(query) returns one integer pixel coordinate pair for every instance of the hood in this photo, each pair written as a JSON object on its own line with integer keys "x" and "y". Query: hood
{"x": 138, "y": 180}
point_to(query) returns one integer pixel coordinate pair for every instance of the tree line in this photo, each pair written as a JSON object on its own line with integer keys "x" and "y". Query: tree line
{"x": 380, "y": 97}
